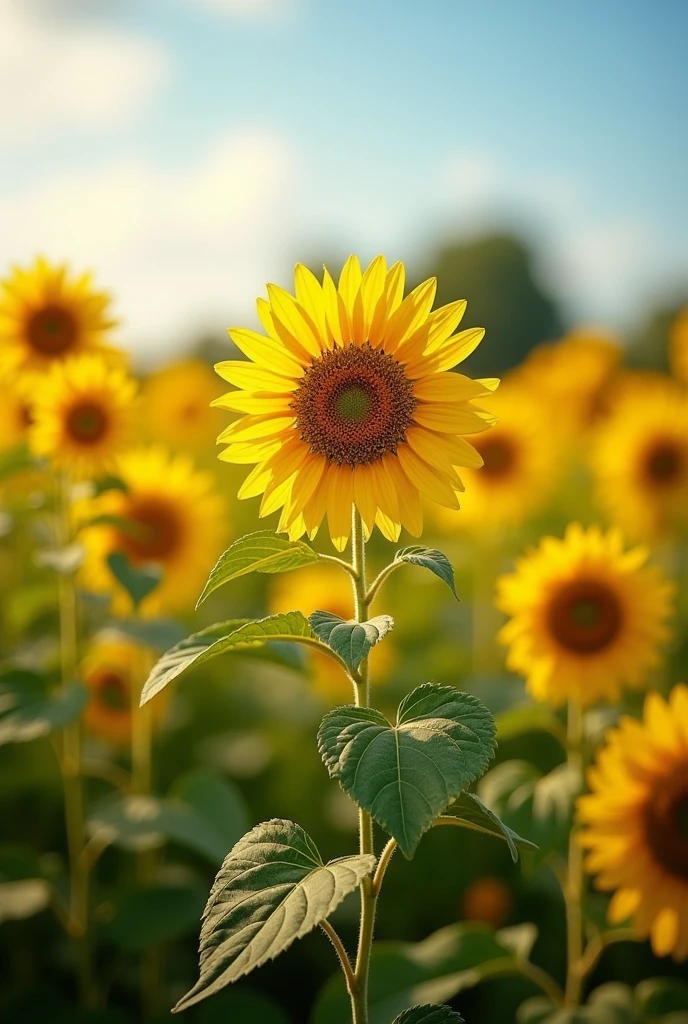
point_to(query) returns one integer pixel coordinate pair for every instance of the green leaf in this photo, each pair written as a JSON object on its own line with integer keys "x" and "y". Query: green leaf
{"x": 273, "y": 888}
{"x": 432, "y": 559}
{"x": 351, "y": 640}
{"x": 219, "y": 803}
{"x": 659, "y": 996}
{"x": 28, "y": 711}
{"x": 15, "y": 460}
{"x": 138, "y": 581}
{"x": 402, "y": 974}
{"x": 64, "y": 561}
{"x": 159, "y": 633}
{"x": 525, "y": 718}
{"x": 143, "y": 822}
{"x": 430, "y": 1013}
{"x": 144, "y": 917}
{"x": 541, "y": 806}
{"x": 235, "y": 635}
{"x": 240, "y": 1006}
{"x": 23, "y": 898}
{"x": 262, "y": 551}
{"x": 406, "y": 774}
{"x": 537, "y": 1010}
{"x": 471, "y": 812}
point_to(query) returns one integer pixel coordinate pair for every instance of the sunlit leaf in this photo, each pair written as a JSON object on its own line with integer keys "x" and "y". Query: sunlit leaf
{"x": 432, "y": 559}
{"x": 351, "y": 640}
{"x": 273, "y": 888}
{"x": 262, "y": 551}
{"x": 28, "y": 710}
{"x": 408, "y": 773}
{"x": 23, "y": 898}
{"x": 234, "y": 635}
{"x": 470, "y": 811}
{"x": 430, "y": 1013}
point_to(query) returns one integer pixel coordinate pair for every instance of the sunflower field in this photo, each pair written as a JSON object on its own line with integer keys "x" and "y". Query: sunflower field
{"x": 446, "y": 600}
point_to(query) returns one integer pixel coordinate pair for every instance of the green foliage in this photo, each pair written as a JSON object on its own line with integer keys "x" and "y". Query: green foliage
{"x": 15, "y": 460}
{"x": 525, "y": 718}
{"x": 28, "y": 710}
{"x": 157, "y": 633}
{"x": 145, "y": 916}
{"x": 263, "y": 551}
{"x": 432, "y": 559}
{"x": 235, "y": 635}
{"x": 240, "y": 1006}
{"x": 22, "y": 898}
{"x": 541, "y": 806}
{"x": 64, "y": 561}
{"x": 138, "y": 581}
{"x": 406, "y": 774}
{"x": 402, "y": 974}
{"x": 144, "y": 822}
{"x": 657, "y": 997}
{"x": 429, "y": 1014}
{"x": 272, "y": 888}
{"x": 470, "y": 812}
{"x": 351, "y": 640}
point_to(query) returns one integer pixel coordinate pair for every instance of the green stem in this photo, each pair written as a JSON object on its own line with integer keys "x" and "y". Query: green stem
{"x": 574, "y": 882}
{"x": 71, "y": 767}
{"x": 359, "y": 996}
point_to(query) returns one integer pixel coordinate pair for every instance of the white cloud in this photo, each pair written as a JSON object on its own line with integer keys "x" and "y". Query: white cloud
{"x": 181, "y": 249}
{"x": 256, "y": 9}
{"x": 57, "y": 77}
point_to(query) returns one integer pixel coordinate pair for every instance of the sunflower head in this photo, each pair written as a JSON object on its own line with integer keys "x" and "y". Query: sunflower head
{"x": 348, "y": 399}
{"x": 636, "y": 822}
{"x": 170, "y": 516}
{"x": 176, "y": 405}
{"x": 113, "y": 672}
{"x": 82, "y": 415}
{"x": 640, "y": 458}
{"x": 587, "y": 616}
{"x": 47, "y": 315}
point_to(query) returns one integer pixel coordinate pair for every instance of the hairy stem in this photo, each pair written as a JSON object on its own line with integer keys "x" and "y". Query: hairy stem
{"x": 574, "y": 882}
{"x": 342, "y": 955}
{"x": 359, "y": 997}
{"x": 71, "y": 768}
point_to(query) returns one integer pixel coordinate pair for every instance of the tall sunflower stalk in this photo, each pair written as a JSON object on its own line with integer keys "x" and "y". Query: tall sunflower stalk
{"x": 348, "y": 410}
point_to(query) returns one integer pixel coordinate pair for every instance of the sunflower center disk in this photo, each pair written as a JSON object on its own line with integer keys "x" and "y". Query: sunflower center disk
{"x": 155, "y": 531}
{"x": 87, "y": 423}
{"x": 663, "y": 463}
{"x": 666, "y": 822}
{"x": 113, "y": 691}
{"x": 52, "y": 331}
{"x": 584, "y": 617}
{"x": 498, "y": 454}
{"x": 354, "y": 405}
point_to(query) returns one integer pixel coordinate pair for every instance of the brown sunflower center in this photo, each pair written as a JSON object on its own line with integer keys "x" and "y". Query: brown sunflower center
{"x": 112, "y": 690}
{"x": 584, "y": 616}
{"x": 354, "y": 405}
{"x": 498, "y": 453}
{"x": 155, "y": 533}
{"x": 666, "y": 822}
{"x": 663, "y": 462}
{"x": 52, "y": 331}
{"x": 87, "y": 423}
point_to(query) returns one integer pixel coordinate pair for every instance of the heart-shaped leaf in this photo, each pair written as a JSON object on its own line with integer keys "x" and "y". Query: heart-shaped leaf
{"x": 28, "y": 710}
{"x": 234, "y": 635}
{"x": 430, "y": 1013}
{"x": 273, "y": 888}
{"x": 351, "y": 640}
{"x": 432, "y": 559}
{"x": 138, "y": 581}
{"x": 262, "y": 551}
{"x": 470, "y": 812}
{"x": 407, "y": 774}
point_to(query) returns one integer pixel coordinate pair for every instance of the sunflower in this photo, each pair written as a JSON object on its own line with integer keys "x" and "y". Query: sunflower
{"x": 636, "y": 818}
{"x": 112, "y": 674}
{"x": 521, "y": 459}
{"x": 15, "y": 411}
{"x": 349, "y": 400}
{"x": 571, "y": 375}
{"x": 587, "y": 616}
{"x": 82, "y": 414}
{"x": 640, "y": 460}
{"x": 325, "y": 587}
{"x": 176, "y": 403}
{"x": 168, "y": 514}
{"x": 678, "y": 345}
{"x": 46, "y": 315}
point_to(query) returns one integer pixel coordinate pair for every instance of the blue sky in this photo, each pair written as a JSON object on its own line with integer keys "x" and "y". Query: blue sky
{"x": 191, "y": 149}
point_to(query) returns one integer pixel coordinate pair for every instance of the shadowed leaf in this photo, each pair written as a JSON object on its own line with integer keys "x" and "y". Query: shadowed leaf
{"x": 28, "y": 710}
{"x": 432, "y": 559}
{"x": 351, "y": 640}
{"x": 471, "y": 812}
{"x": 429, "y": 1014}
